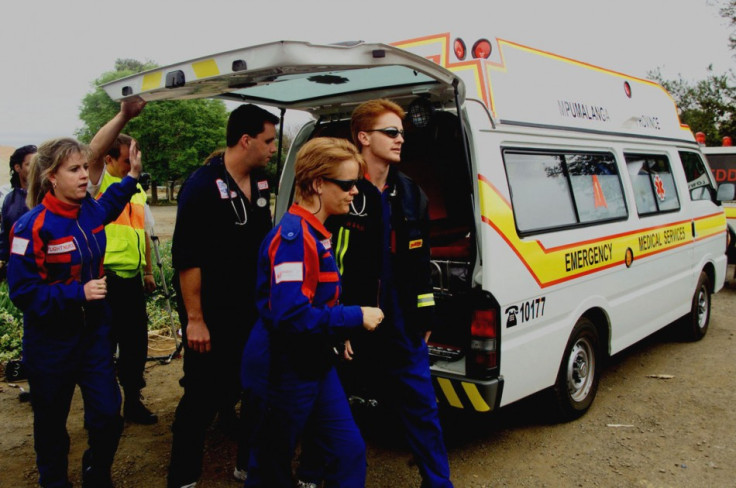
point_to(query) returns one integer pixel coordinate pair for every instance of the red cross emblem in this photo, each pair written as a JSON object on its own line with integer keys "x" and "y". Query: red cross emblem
{"x": 659, "y": 184}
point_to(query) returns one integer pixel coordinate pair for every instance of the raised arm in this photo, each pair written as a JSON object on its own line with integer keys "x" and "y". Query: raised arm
{"x": 105, "y": 137}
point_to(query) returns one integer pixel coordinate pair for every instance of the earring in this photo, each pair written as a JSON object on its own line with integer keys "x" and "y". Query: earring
{"x": 53, "y": 184}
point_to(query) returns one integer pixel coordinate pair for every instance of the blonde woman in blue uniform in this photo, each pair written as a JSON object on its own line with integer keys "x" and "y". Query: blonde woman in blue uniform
{"x": 289, "y": 356}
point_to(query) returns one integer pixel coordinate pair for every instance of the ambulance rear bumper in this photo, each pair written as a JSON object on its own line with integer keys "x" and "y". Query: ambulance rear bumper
{"x": 461, "y": 392}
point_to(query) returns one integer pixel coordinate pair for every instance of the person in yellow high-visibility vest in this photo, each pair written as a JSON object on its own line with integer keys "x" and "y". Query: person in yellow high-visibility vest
{"x": 129, "y": 273}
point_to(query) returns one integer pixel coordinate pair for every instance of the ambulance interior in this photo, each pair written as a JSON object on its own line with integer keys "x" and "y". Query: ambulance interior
{"x": 433, "y": 156}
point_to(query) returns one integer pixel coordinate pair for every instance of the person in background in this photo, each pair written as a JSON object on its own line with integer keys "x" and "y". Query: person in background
{"x": 223, "y": 215}
{"x": 13, "y": 204}
{"x": 289, "y": 361}
{"x": 55, "y": 276}
{"x": 128, "y": 268}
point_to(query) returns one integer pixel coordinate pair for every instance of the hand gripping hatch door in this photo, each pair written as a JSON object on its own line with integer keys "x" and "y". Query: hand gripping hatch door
{"x": 292, "y": 74}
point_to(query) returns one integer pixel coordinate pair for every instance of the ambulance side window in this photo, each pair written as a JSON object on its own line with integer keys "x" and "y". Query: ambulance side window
{"x": 597, "y": 187}
{"x": 552, "y": 190}
{"x": 698, "y": 181}
{"x": 654, "y": 186}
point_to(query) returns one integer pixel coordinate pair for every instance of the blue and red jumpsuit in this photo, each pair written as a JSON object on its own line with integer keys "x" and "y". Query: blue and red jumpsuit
{"x": 290, "y": 359}
{"x": 55, "y": 248}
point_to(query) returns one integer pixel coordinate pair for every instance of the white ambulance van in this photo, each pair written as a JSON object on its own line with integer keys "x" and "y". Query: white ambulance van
{"x": 572, "y": 213}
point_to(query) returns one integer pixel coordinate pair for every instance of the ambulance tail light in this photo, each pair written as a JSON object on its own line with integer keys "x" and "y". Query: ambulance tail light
{"x": 482, "y": 359}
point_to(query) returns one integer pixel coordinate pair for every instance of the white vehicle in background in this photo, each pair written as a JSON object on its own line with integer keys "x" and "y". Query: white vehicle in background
{"x": 722, "y": 160}
{"x": 567, "y": 222}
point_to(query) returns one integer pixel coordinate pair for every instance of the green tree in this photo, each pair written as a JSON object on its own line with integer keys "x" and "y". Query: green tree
{"x": 728, "y": 11}
{"x": 707, "y": 105}
{"x": 175, "y": 136}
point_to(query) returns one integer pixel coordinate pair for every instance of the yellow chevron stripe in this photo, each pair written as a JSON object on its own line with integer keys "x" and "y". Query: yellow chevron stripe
{"x": 449, "y": 391}
{"x": 479, "y": 404}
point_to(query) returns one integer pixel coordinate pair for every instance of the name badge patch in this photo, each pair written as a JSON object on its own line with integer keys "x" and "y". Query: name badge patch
{"x": 415, "y": 243}
{"x": 327, "y": 243}
{"x": 19, "y": 246}
{"x": 222, "y": 188}
{"x": 263, "y": 185}
{"x": 61, "y": 248}
{"x": 288, "y": 272}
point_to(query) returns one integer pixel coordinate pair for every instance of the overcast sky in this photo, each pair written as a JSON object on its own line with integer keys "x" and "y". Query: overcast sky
{"x": 51, "y": 51}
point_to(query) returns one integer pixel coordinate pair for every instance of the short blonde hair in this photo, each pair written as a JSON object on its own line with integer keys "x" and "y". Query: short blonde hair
{"x": 50, "y": 156}
{"x": 318, "y": 158}
{"x": 365, "y": 115}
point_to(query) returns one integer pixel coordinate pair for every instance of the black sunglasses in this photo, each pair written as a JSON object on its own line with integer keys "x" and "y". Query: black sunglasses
{"x": 345, "y": 185}
{"x": 392, "y": 132}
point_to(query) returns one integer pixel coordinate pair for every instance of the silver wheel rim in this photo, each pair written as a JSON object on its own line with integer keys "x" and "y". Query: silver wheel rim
{"x": 580, "y": 370}
{"x": 702, "y": 308}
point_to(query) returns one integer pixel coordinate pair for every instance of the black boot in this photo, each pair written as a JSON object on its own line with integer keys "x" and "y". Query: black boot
{"x": 97, "y": 459}
{"x": 134, "y": 410}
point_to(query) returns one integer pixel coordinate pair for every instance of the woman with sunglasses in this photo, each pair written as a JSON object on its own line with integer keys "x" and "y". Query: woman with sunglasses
{"x": 289, "y": 359}
{"x": 55, "y": 277}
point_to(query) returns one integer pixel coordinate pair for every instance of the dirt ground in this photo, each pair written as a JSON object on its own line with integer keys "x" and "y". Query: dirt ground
{"x": 641, "y": 431}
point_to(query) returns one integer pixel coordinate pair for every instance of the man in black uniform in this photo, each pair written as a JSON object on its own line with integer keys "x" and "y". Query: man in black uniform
{"x": 222, "y": 218}
{"x": 382, "y": 251}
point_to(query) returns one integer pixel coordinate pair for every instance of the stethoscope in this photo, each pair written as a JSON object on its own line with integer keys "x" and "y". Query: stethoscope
{"x": 260, "y": 201}
{"x": 361, "y": 213}
{"x": 238, "y": 220}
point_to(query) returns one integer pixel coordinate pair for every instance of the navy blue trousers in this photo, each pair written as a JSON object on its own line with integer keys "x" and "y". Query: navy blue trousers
{"x": 90, "y": 365}
{"x": 295, "y": 406}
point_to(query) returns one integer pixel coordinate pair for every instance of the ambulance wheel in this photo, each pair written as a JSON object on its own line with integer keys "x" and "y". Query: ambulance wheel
{"x": 577, "y": 380}
{"x": 695, "y": 324}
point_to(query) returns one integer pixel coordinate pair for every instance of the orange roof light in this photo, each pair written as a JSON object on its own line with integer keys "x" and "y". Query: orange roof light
{"x": 459, "y": 48}
{"x": 727, "y": 141}
{"x": 482, "y": 49}
{"x": 700, "y": 138}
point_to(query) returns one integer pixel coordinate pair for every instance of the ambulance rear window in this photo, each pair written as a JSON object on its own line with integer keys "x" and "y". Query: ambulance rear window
{"x": 654, "y": 186}
{"x": 552, "y": 190}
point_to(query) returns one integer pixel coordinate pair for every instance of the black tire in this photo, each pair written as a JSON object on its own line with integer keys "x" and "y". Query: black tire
{"x": 577, "y": 379}
{"x": 695, "y": 324}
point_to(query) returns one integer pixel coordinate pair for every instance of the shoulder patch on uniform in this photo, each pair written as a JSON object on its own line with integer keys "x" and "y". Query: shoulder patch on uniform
{"x": 415, "y": 243}
{"x": 290, "y": 229}
{"x": 288, "y": 272}
{"x": 19, "y": 246}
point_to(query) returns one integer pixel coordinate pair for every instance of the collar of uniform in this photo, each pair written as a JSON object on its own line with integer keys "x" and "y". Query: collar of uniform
{"x": 367, "y": 177}
{"x": 63, "y": 209}
{"x": 390, "y": 178}
{"x": 256, "y": 175}
{"x": 302, "y": 212}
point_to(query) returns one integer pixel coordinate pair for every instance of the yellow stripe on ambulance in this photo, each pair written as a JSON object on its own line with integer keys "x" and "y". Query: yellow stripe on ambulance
{"x": 550, "y": 266}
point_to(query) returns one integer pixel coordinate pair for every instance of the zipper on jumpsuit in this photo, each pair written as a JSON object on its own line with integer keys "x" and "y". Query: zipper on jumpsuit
{"x": 81, "y": 257}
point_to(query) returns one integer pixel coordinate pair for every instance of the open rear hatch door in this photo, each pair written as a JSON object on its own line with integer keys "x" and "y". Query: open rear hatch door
{"x": 294, "y": 75}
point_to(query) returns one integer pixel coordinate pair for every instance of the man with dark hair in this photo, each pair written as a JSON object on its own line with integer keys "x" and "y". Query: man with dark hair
{"x": 128, "y": 269}
{"x": 223, "y": 216}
